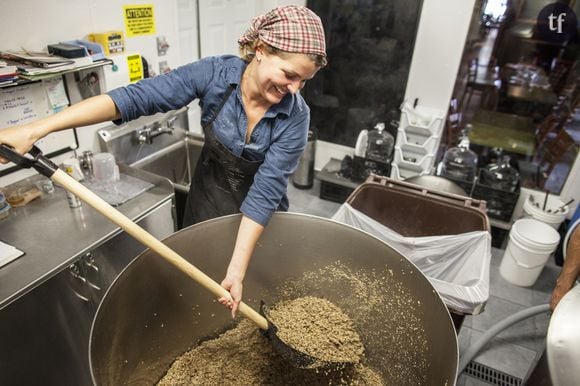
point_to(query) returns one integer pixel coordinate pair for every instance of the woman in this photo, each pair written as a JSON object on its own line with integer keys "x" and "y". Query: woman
{"x": 255, "y": 124}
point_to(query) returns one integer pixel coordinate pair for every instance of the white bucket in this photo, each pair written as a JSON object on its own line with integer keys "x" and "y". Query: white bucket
{"x": 531, "y": 242}
{"x": 554, "y": 213}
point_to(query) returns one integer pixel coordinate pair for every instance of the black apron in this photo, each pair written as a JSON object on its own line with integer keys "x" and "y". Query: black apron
{"x": 221, "y": 180}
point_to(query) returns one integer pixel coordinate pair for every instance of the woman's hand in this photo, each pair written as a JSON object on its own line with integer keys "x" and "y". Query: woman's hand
{"x": 248, "y": 234}
{"x": 563, "y": 285}
{"x": 21, "y": 138}
{"x": 87, "y": 112}
{"x": 233, "y": 284}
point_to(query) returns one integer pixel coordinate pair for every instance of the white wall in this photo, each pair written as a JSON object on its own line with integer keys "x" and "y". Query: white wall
{"x": 32, "y": 24}
{"x": 438, "y": 49}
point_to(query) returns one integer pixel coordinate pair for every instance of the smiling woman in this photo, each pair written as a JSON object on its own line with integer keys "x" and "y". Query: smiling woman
{"x": 270, "y": 77}
{"x": 254, "y": 120}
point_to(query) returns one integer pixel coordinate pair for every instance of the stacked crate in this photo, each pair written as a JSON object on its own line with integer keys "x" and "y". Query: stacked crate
{"x": 417, "y": 142}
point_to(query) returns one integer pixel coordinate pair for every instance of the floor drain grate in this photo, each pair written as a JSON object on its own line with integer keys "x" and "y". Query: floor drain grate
{"x": 491, "y": 376}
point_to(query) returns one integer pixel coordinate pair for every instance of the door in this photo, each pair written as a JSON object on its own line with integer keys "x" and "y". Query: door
{"x": 221, "y": 23}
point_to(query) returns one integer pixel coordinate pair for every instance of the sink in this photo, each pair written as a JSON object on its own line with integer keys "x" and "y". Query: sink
{"x": 172, "y": 154}
{"x": 175, "y": 162}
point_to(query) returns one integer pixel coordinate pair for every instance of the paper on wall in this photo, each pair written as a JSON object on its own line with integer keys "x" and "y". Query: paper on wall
{"x": 57, "y": 97}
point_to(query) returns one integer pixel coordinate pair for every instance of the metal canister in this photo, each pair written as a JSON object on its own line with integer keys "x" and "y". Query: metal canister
{"x": 303, "y": 177}
{"x": 73, "y": 200}
{"x": 72, "y": 167}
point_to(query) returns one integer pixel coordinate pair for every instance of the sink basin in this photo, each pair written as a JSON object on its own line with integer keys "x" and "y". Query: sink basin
{"x": 175, "y": 162}
{"x": 172, "y": 154}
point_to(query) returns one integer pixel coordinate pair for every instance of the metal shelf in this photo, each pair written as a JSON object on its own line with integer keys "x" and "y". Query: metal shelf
{"x": 25, "y": 79}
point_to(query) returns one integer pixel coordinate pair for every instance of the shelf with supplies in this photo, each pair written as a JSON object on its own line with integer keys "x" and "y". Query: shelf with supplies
{"x": 54, "y": 72}
{"x": 36, "y": 97}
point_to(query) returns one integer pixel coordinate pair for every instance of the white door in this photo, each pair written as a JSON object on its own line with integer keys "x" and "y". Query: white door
{"x": 221, "y": 23}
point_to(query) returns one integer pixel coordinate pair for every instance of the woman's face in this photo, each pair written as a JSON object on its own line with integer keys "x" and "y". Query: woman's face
{"x": 277, "y": 76}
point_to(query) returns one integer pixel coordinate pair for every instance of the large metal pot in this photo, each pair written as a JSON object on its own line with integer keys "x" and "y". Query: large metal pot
{"x": 153, "y": 313}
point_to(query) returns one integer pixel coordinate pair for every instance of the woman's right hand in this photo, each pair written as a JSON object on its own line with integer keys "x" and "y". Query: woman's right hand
{"x": 21, "y": 138}
{"x": 97, "y": 109}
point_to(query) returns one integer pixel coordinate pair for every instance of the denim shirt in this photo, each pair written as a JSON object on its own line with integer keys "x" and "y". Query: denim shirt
{"x": 278, "y": 139}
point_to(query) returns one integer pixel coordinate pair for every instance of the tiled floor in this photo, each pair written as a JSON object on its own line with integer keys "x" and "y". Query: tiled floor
{"x": 515, "y": 350}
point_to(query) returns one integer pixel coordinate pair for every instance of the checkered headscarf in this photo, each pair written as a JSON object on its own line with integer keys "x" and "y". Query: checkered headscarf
{"x": 290, "y": 28}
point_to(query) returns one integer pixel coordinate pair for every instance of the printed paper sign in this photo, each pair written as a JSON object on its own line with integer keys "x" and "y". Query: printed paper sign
{"x": 57, "y": 97}
{"x": 135, "y": 66}
{"x": 139, "y": 20}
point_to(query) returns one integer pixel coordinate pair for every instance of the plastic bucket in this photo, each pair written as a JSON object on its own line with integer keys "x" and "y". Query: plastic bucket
{"x": 554, "y": 213}
{"x": 531, "y": 242}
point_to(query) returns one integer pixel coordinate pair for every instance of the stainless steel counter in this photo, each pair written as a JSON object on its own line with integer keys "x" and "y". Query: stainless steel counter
{"x": 53, "y": 235}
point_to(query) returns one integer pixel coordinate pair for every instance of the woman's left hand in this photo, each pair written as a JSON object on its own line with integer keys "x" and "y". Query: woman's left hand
{"x": 563, "y": 285}
{"x": 234, "y": 285}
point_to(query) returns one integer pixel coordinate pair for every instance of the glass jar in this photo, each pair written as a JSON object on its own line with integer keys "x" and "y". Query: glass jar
{"x": 380, "y": 144}
{"x": 459, "y": 162}
{"x": 501, "y": 175}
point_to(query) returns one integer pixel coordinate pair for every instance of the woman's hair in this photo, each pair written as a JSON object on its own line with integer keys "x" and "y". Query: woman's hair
{"x": 248, "y": 52}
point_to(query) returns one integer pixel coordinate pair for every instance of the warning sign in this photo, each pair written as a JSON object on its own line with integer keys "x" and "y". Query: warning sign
{"x": 139, "y": 20}
{"x": 135, "y": 66}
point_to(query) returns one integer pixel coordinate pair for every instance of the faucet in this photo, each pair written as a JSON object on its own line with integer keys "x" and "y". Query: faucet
{"x": 147, "y": 133}
{"x": 86, "y": 160}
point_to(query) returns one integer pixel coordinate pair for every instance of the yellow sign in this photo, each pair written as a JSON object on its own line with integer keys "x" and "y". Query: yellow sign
{"x": 139, "y": 20}
{"x": 135, "y": 68}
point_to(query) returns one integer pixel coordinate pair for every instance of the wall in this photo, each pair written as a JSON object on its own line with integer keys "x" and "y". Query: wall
{"x": 438, "y": 50}
{"x": 32, "y": 24}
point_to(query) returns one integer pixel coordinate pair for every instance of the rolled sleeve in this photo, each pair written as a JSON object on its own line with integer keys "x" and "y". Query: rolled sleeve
{"x": 271, "y": 180}
{"x": 164, "y": 92}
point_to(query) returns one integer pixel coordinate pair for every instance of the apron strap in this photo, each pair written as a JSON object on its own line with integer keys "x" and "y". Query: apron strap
{"x": 223, "y": 102}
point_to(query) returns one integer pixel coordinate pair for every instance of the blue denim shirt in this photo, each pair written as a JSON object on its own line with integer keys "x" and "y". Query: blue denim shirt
{"x": 278, "y": 139}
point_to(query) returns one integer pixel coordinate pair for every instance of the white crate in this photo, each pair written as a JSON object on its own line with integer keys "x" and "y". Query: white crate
{"x": 411, "y": 139}
{"x": 424, "y": 121}
{"x": 409, "y": 162}
{"x": 412, "y": 159}
{"x": 402, "y": 172}
{"x": 418, "y": 138}
{"x": 420, "y": 128}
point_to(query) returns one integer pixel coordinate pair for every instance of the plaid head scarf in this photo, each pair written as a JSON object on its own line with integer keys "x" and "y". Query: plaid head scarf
{"x": 290, "y": 28}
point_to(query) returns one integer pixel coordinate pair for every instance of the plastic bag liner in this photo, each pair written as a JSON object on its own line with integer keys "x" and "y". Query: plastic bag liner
{"x": 456, "y": 265}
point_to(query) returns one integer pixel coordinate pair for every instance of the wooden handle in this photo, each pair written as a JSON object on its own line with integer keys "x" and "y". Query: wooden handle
{"x": 153, "y": 243}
